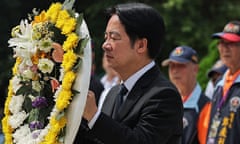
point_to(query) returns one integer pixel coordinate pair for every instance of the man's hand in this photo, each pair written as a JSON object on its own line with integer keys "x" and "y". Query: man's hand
{"x": 90, "y": 107}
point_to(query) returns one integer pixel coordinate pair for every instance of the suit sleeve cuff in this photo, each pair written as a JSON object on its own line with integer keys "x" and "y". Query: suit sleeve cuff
{"x": 94, "y": 119}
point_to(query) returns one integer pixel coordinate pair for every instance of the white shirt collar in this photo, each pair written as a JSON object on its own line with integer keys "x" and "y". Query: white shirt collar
{"x": 130, "y": 82}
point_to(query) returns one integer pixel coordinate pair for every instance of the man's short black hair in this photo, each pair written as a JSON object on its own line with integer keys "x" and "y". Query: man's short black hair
{"x": 141, "y": 21}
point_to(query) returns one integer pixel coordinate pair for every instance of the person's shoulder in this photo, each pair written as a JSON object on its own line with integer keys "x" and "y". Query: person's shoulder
{"x": 203, "y": 100}
{"x": 95, "y": 80}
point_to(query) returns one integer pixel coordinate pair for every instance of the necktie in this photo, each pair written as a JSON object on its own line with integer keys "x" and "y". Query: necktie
{"x": 122, "y": 91}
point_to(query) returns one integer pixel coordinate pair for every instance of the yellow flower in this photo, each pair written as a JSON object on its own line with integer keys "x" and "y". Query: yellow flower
{"x": 15, "y": 67}
{"x": 62, "y": 121}
{"x": 8, "y": 99}
{"x": 8, "y": 139}
{"x": 68, "y": 80}
{"x": 63, "y": 99}
{"x": 71, "y": 41}
{"x": 40, "y": 18}
{"x": 53, "y": 11}
{"x": 56, "y": 126}
{"x": 6, "y": 110}
{"x": 51, "y": 137}
{"x": 69, "y": 26}
{"x": 69, "y": 59}
{"x": 6, "y": 127}
{"x": 15, "y": 30}
{"x": 62, "y": 18}
{"x": 7, "y": 130}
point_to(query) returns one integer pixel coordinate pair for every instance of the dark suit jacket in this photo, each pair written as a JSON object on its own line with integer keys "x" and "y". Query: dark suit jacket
{"x": 151, "y": 114}
{"x": 96, "y": 86}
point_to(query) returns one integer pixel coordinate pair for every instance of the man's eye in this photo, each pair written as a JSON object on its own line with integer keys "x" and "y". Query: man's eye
{"x": 112, "y": 36}
{"x": 115, "y": 37}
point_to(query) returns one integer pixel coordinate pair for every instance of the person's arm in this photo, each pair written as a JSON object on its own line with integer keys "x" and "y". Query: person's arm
{"x": 90, "y": 107}
{"x": 154, "y": 120}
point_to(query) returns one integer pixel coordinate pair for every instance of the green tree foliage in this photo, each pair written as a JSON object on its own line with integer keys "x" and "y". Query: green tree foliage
{"x": 207, "y": 62}
{"x": 192, "y": 23}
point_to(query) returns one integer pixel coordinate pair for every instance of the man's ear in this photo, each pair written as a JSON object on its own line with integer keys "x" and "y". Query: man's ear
{"x": 196, "y": 68}
{"x": 142, "y": 45}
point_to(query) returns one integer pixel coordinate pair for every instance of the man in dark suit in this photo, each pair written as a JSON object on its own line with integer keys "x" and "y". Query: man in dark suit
{"x": 151, "y": 112}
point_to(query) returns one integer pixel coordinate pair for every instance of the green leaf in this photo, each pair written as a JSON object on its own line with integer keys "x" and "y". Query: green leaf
{"x": 60, "y": 115}
{"x": 44, "y": 112}
{"x": 27, "y": 104}
{"x": 62, "y": 134}
{"x": 33, "y": 115}
{"x": 68, "y": 4}
{"x": 77, "y": 65}
{"x": 24, "y": 90}
{"x": 58, "y": 37}
{"x": 75, "y": 92}
{"x": 79, "y": 23}
{"x": 83, "y": 43}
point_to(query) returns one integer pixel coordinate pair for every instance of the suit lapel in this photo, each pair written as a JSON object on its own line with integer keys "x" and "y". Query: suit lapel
{"x": 109, "y": 103}
{"x": 137, "y": 91}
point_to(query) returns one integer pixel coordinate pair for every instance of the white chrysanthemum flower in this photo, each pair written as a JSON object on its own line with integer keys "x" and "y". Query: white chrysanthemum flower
{"x": 59, "y": 89}
{"x": 43, "y": 133}
{"x": 24, "y": 45}
{"x": 45, "y": 65}
{"x": 53, "y": 113}
{"x": 45, "y": 45}
{"x": 25, "y": 55}
{"x": 27, "y": 140}
{"x": 27, "y": 74}
{"x": 23, "y": 37}
{"x": 20, "y": 133}
{"x": 36, "y": 86}
{"x": 15, "y": 104}
{"x": 17, "y": 119}
{"x": 61, "y": 74}
{"x": 16, "y": 83}
{"x": 30, "y": 138}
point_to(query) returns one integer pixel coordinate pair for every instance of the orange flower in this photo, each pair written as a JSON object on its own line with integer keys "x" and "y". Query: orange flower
{"x": 35, "y": 59}
{"x": 40, "y": 18}
{"x": 58, "y": 52}
{"x": 42, "y": 55}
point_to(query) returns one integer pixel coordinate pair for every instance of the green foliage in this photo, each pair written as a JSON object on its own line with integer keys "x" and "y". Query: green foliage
{"x": 207, "y": 62}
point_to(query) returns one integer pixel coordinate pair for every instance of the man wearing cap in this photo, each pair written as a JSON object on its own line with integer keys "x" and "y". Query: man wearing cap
{"x": 183, "y": 69}
{"x": 224, "y": 125}
{"x": 217, "y": 70}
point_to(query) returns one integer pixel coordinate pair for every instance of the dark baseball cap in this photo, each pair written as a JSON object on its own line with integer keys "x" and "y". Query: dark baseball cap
{"x": 218, "y": 67}
{"x": 182, "y": 54}
{"x": 231, "y": 32}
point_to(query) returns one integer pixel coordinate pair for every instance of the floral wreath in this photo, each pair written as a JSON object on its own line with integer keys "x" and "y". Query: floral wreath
{"x": 48, "y": 48}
